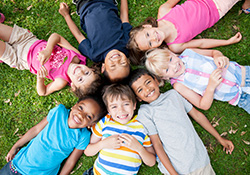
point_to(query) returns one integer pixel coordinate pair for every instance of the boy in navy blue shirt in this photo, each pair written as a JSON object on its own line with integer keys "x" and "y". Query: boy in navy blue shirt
{"x": 107, "y": 34}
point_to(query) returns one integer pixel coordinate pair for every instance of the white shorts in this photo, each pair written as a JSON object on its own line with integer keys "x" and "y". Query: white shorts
{"x": 224, "y": 6}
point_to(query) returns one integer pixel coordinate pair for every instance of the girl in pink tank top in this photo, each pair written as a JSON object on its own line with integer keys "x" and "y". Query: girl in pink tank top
{"x": 177, "y": 25}
{"x": 55, "y": 59}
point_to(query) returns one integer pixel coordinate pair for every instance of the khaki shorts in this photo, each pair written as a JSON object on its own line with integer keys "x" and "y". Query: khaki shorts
{"x": 15, "y": 54}
{"x": 207, "y": 170}
{"x": 224, "y": 6}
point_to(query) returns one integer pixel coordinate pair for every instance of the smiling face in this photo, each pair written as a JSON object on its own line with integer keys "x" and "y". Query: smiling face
{"x": 174, "y": 67}
{"x": 116, "y": 64}
{"x": 121, "y": 109}
{"x": 146, "y": 88}
{"x": 149, "y": 37}
{"x": 80, "y": 75}
{"x": 84, "y": 113}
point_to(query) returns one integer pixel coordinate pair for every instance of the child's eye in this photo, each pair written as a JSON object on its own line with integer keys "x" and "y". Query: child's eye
{"x": 80, "y": 108}
{"x": 166, "y": 70}
{"x": 88, "y": 116}
{"x": 113, "y": 107}
{"x": 150, "y": 44}
{"x": 80, "y": 79}
{"x": 170, "y": 59}
{"x": 87, "y": 72}
{"x": 139, "y": 90}
{"x": 148, "y": 82}
{"x": 147, "y": 35}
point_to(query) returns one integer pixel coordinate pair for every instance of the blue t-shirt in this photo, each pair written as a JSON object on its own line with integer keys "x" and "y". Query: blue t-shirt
{"x": 44, "y": 154}
{"x": 104, "y": 28}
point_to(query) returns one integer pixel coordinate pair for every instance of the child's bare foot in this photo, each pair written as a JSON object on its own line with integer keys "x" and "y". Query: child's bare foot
{"x": 2, "y": 18}
{"x": 246, "y": 6}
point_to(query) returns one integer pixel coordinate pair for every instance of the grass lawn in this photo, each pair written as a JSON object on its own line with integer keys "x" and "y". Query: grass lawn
{"x": 21, "y": 107}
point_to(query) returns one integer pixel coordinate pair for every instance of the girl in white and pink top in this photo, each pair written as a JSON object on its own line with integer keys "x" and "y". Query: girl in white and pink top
{"x": 55, "y": 59}
{"x": 177, "y": 25}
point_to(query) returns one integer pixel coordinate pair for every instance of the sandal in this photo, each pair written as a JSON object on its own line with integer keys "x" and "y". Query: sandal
{"x": 246, "y": 11}
{"x": 2, "y": 18}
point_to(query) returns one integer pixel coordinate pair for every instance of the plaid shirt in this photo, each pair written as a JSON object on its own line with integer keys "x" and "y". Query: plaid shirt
{"x": 197, "y": 73}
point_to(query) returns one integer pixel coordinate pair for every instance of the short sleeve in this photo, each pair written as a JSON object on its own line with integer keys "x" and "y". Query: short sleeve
{"x": 52, "y": 111}
{"x": 146, "y": 120}
{"x": 147, "y": 142}
{"x": 97, "y": 128}
{"x": 188, "y": 106}
{"x": 85, "y": 48}
{"x": 84, "y": 140}
{"x": 126, "y": 28}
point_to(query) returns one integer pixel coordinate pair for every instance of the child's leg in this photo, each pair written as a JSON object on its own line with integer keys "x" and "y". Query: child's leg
{"x": 14, "y": 51}
{"x": 246, "y": 6}
{"x": 245, "y": 96}
{"x": 5, "y": 32}
{"x": 224, "y": 6}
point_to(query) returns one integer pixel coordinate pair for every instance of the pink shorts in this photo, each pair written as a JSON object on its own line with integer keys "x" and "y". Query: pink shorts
{"x": 16, "y": 50}
{"x": 224, "y": 6}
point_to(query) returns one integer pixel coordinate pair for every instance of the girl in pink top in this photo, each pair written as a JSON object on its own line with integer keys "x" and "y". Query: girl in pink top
{"x": 55, "y": 59}
{"x": 177, "y": 25}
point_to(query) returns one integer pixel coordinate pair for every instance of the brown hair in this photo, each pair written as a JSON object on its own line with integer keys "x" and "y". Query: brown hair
{"x": 135, "y": 54}
{"x": 118, "y": 90}
{"x": 94, "y": 87}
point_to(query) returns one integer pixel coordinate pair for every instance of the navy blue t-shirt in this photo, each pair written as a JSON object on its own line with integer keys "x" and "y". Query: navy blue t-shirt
{"x": 104, "y": 28}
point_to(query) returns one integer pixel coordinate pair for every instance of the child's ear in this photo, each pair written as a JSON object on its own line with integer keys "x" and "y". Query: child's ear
{"x": 103, "y": 67}
{"x": 134, "y": 106}
{"x": 147, "y": 25}
{"x": 73, "y": 87}
{"x": 90, "y": 126}
{"x": 139, "y": 99}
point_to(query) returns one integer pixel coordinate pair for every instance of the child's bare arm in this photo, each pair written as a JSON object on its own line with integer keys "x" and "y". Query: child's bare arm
{"x": 203, "y": 102}
{"x": 64, "y": 11}
{"x": 53, "y": 40}
{"x": 71, "y": 161}
{"x": 162, "y": 154}
{"x": 96, "y": 144}
{"x": 148, "y": 157}
{"x": 32, "y": 132}
{"x": 204, "y": 43}
{"x": 124, "y": 11}
{"x": 166, "y": 7}
{"x": 44, "y": 90}
{"x": 203, "y": 121}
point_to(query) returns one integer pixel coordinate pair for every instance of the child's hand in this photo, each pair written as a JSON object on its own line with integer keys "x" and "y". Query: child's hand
{"x": 215, "y": 79}
{"x": 130, "y": 142}
{"x": 44, "y": 56}
{"x": 235, "y": 39}
{"x": 64, "y": 9}
{"x": 111, "y": 142}
{"x": 228, "y": 146}
{"x": 42, "y": 72}
{"x": 11, "y": 154}
{"x": 221, "y": 62}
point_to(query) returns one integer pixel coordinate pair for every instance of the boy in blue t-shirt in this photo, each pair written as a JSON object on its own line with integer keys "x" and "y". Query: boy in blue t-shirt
{"x": 107, "y": 34}
{"x": 61, "y": 134}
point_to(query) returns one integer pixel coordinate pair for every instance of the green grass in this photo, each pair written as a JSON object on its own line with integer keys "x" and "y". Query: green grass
{"x": 21, "y": 107}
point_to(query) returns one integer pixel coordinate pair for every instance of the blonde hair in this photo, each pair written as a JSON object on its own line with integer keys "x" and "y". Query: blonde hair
{"x": 156, "y": 60}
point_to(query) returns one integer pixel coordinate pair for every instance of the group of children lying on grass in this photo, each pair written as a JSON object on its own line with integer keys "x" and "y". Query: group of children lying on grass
{"x": 123, "y": 140}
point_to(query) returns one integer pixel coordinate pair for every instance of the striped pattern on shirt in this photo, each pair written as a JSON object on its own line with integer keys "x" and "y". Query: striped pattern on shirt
{"x": 122, "y": 160}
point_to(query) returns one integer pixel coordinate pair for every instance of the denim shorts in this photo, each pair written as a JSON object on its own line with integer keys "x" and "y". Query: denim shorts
{"x": 244, "y": 101}
{"x": 9, "y": 169}
{"x": 89, "y": 172}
